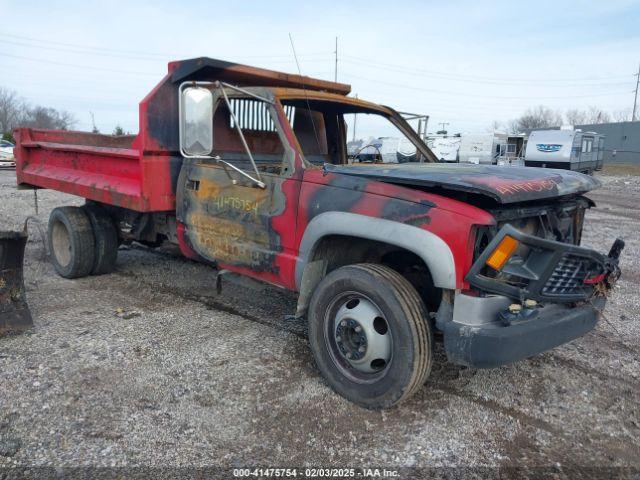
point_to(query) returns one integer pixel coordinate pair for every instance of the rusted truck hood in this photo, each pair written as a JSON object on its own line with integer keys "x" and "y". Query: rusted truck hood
{"x": 503, "y": 184}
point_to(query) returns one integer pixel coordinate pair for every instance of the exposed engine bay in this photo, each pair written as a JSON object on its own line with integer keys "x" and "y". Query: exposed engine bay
{"x": 544, "y": 261}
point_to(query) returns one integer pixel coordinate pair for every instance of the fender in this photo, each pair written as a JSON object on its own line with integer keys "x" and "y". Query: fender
{"x": 435, "y": 253}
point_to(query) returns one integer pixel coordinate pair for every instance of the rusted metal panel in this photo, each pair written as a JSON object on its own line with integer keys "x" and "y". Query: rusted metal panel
{"x": 297, "y": 93}
{"x": 15, "y": 316}
{"x": 246, "y": 76}
{"x": 225, "y": 220}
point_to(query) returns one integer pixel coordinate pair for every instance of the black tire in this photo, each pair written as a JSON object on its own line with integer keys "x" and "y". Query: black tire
{"x": 106, "y": 239}
{"x": 71, "y": 242}
{"x": 405, "y": 315}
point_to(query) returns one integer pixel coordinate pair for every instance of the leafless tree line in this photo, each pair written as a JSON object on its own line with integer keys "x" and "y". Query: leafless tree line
{"x": 17, "y": 112}
{"x": 543, "y": 117}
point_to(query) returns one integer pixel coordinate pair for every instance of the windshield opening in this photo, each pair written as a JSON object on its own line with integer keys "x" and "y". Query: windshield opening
{"x": 341, "y": 133}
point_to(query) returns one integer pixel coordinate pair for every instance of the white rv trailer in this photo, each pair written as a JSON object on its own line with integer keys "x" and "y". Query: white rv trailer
{"x": 514, "y": 155}
{"x": 483, "y": 148}
{"x": 565, "y": 149}
{"x": 444, "y": 147}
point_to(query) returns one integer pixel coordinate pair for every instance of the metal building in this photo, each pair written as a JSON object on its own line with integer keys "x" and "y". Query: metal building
{"x": 622, "y": 141}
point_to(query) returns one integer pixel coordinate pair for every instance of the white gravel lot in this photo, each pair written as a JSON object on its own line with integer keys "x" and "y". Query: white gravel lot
{"x": 192, "y": 378}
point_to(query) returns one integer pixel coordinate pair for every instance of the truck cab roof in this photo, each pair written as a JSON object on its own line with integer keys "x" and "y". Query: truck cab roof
{"x": 205, "y": 68}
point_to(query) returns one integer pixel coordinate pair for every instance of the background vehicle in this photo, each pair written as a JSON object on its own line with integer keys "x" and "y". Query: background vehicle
{"x": 6, "y": 154}
{"x": 483, "y": 148}
{"x": 248, "y": 170}
{"x": 565, "y": 149}
{"x": 381, "y": 150}
{"x": 445, "y": 147}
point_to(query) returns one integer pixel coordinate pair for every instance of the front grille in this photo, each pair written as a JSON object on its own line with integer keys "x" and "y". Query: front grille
{"x": 567, "y": 278}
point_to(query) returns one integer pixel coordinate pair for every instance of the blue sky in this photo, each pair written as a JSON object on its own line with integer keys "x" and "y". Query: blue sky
{"x": 467, "y": 63}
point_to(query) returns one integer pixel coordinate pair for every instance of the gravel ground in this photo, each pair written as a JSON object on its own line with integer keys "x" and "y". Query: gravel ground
{"x": 186, "y": 377}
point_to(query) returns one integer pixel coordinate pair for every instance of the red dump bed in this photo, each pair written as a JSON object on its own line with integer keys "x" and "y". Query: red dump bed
{"x": 103, "y": 168}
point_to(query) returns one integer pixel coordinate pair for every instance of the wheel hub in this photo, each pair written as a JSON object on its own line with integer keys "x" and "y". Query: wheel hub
{"x": 362, "y": 335}
{"x": 351, "y": 339}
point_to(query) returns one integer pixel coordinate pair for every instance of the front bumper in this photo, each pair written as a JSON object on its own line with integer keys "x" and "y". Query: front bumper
{"x": 546, "y": 270}
{"x": 494, "y": 344}
{"x": 569, "y": 284}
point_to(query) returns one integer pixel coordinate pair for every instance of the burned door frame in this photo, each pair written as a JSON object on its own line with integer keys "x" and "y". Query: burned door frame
{"x": 229, "y": 220}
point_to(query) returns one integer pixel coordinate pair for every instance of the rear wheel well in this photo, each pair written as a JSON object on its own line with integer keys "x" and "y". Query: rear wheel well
{"x": 340, "y": 250}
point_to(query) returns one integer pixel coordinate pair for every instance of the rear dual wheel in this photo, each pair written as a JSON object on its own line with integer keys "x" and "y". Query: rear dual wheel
{"x": 105, "y": 237}
{"x": 369, "y": 335}
{"x": 82, "y": 241}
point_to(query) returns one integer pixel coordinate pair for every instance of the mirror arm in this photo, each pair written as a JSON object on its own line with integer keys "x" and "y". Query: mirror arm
{"x": 244, "y": 142}
{"x": 241, "y": 172}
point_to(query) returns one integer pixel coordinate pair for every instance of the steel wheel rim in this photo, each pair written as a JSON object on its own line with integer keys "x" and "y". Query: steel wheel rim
{"x": 61, "y": 243}
{"x": 354, "y": 324}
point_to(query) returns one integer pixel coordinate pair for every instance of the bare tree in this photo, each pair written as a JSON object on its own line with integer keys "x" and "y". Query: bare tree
{"x": 622, "y": 115}
{"x": 536, "y": 117}
{"x": 513, "y": 126}
{"x": 12, "y": 110}
{"x": 575, "y": 117}
{"x": 495, "y": 126}
{"x": 597, "y": 115}
{"x": 15, "y": 112}
{"x": 49, "y": 118}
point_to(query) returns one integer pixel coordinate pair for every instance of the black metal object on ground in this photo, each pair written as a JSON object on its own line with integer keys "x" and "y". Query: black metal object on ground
{"x": 15, "y": 316}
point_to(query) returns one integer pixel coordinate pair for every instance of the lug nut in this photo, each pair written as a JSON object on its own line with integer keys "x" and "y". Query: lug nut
{"x": 515, "y": 308}
{"x": 349, "y": 355}
{"x": 530, "y": 303}
{"x": 361, "y": 349}
{"x": 338, "y": 338}
{"x": 343, "y": 323}
{"x": 358, "y": 328}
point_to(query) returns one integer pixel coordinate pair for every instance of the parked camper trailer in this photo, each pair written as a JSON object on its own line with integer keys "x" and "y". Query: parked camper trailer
{"x": 514, "y": 154}
{"x": 565, "y": 149}
{"x": 445, "y": 147}
{"x": 484, "y": 148}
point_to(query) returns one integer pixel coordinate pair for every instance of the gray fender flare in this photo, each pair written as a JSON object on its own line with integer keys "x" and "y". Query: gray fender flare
{"x": 435, "y": 253}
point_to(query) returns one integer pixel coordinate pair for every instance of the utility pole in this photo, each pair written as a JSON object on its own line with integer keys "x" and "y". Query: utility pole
{"x": 355, "y": 118}
{"x": 335, "y": 77}
{"x": 635, "y": 100}
{"x": 94, "y": 129}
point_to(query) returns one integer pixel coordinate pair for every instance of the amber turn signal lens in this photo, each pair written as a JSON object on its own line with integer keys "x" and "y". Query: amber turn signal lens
{"x": 503, "y": 251}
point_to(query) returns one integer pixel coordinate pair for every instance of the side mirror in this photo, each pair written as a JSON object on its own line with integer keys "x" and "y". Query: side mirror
{"x": 196, "y": 121}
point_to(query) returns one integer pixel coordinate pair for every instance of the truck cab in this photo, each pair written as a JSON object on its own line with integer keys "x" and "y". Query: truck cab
{"x": 248, "y": 170}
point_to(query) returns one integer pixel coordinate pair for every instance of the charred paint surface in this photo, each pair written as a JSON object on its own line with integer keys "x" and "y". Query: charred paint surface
{"x": 505, "y": 185}
{"x": 450, "y": 219}
{"x": 241, "y": 228}
{"x": 229, "y": 223}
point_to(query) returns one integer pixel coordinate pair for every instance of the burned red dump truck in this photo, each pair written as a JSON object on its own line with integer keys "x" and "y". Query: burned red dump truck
{"x": 247, "y": 169}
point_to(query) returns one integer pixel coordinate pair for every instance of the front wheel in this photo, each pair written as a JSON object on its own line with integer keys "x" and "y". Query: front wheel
{"x": 369, "y": 335}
